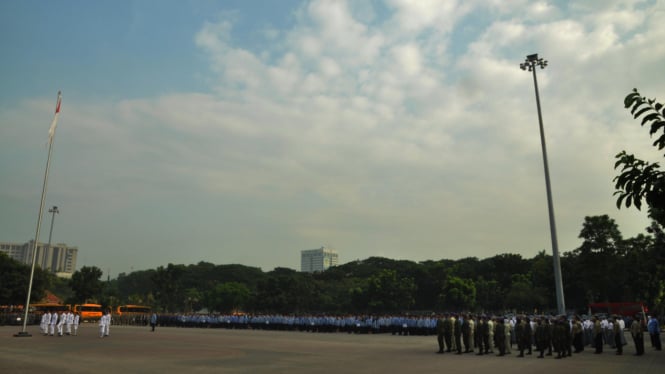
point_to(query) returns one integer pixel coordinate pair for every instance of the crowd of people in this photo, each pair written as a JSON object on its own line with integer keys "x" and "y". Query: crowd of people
{"x": 457, "y": 333}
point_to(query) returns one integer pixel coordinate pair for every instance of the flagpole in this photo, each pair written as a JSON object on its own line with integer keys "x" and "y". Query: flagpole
{"x": 23, "y": 332}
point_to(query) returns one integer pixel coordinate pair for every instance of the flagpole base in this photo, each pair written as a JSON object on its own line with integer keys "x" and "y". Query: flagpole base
{"x": 22, "y": 334}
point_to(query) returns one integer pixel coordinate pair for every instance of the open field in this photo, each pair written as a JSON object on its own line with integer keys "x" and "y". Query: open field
{"x": 178, "y": 350}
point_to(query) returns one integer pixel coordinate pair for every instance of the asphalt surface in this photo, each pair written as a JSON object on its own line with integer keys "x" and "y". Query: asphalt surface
{"x": 190, "y": 350}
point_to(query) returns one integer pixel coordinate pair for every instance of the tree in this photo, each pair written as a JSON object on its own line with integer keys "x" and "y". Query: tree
{"x": 389, "y": 292}
{"x": 459, "y": 294}
{"x": 522, "y": 294}
{"x": 168, "y": 286}
{"x": 640, "y": 180}
{"x": 86, "y": 284}
{"x": 14, "y": 279}
{"x": 227, "y": 297}
{"x": 598, "y": 258}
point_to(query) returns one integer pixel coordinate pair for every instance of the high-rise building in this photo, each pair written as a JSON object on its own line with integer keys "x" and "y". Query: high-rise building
{"x": 320, "y": 259}
{"x": 58, "y": 258}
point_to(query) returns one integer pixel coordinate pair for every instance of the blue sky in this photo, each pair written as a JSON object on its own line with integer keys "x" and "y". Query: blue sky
{"x": 246, "y": 131}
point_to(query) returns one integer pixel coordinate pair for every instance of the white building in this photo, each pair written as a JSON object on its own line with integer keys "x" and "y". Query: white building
{"x": 58, "y": 258}
{"x": 320, "y": 259}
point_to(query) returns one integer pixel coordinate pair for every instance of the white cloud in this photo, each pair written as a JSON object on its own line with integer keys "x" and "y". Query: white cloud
{"x": 370, "y": 133}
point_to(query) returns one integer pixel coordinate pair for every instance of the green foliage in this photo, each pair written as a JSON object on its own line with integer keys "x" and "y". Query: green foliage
{"x": 387, "y": 292}
{"x": 86, "y": 284}
{"x": 228, "y": 297}
{"x": 14, "y": 279}
{"x": 605, "y": 267}
{"x": 459, "y": 294}
{"x": 640, "y": 180}
{"x": 168, "y": 287}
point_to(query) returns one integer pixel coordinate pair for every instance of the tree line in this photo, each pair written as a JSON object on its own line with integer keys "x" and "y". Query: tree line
{"x": 605, "y": 267}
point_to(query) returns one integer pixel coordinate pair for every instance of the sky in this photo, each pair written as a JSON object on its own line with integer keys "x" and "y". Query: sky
{"x": 242, "y": 132}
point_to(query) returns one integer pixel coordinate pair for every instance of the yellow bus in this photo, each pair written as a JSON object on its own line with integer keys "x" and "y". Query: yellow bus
{"x": 132, "y": 315}
{"x": 132, "y": 309}
{"x": 49, "y": 307}
{"x": 89, "y": 312}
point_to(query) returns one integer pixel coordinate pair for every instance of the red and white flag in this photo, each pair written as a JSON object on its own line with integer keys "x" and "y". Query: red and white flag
{"x": 51, "y": 130}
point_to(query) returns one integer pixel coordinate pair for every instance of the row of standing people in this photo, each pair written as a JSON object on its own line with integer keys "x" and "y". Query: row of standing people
{"x": 59, "y": 324}
{"x": 461, "y": 333}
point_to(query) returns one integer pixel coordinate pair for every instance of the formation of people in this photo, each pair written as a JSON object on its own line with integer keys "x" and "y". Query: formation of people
{"x": 59, "y": 324}
{"x": 482, "y": 335}
{"x": 66, "y": 323}
{"x": 456, "y": 333}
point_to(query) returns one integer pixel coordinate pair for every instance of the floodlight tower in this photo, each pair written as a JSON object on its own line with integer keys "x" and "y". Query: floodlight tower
{"x": 530, "y": 64}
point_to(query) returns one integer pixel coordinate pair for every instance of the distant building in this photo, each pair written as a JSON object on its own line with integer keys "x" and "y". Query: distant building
{"x": 320, "y": 259}
{"x": 58, "y": 258}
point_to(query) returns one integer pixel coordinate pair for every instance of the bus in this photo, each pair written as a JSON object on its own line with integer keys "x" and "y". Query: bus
{"x": 624, "y": 309}
{"x": 132, "y": 314}
{"x": 49, "y": 307}
{"x": 89, "y": 312}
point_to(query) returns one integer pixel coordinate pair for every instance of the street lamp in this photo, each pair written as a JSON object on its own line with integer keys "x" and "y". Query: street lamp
{"x": 530, "y": 64}
{"x": 53, "y": 210}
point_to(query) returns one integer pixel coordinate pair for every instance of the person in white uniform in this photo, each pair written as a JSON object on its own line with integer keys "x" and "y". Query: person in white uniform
{"x": 77, "y": 319}
{"x": 61, "y": 322}
{"x": 102, "y": 326}
{"x": 45, "y": 322}
{"x": 69, "y": 321}
{"x": 54, "y": 321}
{"x": 108, "y": 323}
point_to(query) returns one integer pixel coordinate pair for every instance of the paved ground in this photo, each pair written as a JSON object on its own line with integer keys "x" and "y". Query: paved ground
{"x": 173, "y": 350}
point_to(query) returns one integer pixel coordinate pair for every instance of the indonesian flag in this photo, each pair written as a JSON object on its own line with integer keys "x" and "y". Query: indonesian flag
{"x": 51, "y": 130}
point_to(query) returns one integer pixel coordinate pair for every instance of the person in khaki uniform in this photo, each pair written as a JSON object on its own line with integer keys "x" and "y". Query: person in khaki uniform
{"x": 617, "y": 336}
{"x": 597, "y": 335}
{"x": 637, "y": 332}
{"x": 578, "y": 338}
{"x": 440, "y": 333}
{"x": 500, "y": 336}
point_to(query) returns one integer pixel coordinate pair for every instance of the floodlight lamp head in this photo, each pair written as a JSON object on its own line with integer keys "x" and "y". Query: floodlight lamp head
{"x": 523, "y": 66}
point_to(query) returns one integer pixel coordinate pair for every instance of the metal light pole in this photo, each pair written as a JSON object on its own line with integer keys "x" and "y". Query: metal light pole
{"x": 53, "y": 210}
{"x": 23, "y": 332}
{"x": 530, "y": 65}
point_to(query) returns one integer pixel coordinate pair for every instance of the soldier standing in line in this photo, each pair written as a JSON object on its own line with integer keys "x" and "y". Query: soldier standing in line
{"x": 559, "y": 338}
{"x": 457, "y": 332}
{"x": 472, "y": 332}
{"x": 528, "y": 335}
{"x": 500, "y": 336}
{"x": 540, "y": 335}
{"x": 578, "y": 338}
{"x": 636, "y": 330}
{"x": 617, "y": 336}
{"x": 448, "y": 332}
{"x": 508, "y": 344}
{"x": 485, "y": 336}
{"x": 479, "y": 335}
{"x": 466, "y": 331}
{"x": 597, "y": 335}
{"x": 490, "y": 328}
{"x": 519, "y": 331}
{"x": 440, "y": 322}
{"x": 568, "y": 341}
